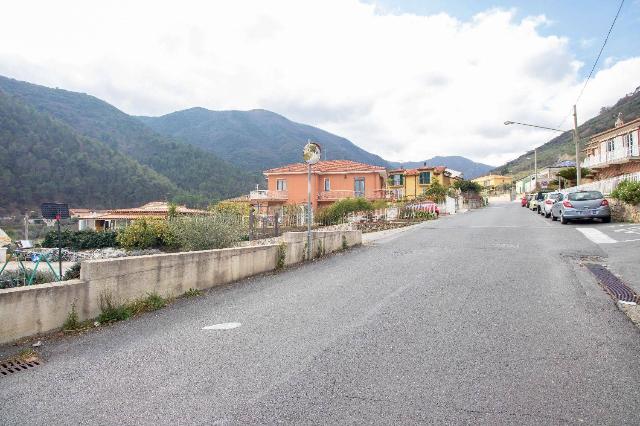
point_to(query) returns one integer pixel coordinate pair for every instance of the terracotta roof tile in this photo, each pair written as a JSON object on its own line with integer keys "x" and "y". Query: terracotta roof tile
{"x": 329, "y": 166}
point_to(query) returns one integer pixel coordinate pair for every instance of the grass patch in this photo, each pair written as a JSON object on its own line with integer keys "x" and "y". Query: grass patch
{"x": 112, "y": 311}
{"x": 28, "y": 355}
{"x": 192, "y": 292}
{"x": 72, "y": 322}
{"x": 152, "y": 302}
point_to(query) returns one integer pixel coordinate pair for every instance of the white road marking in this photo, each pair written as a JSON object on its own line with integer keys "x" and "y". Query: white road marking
{"x": 596, "y": 236}
{"x": 223, "y": 326}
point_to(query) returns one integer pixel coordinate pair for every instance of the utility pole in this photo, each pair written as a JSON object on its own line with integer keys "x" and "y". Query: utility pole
{"x": 535, "y": 165}
{"x": 309, "y": 211}
{"x": 576, "y": 140}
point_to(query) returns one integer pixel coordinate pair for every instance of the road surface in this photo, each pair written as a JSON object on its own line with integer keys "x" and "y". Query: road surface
{"x": 484, "y": 317}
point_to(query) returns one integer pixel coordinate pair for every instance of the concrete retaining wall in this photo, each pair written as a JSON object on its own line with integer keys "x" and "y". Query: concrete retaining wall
{"x": 25, "y": 311}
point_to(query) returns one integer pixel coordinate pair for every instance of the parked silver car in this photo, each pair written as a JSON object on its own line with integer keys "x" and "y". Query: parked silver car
{"x": 581, "y": 205}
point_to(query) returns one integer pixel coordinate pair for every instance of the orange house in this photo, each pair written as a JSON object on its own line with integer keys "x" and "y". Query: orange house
{"x": 331, "y": 181}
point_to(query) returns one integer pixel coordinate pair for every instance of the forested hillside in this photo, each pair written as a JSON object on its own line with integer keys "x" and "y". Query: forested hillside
{"x": 43, "y": 159}
{"x": 200, "y": 175}
{"x": 563, "y": 147}
{"x": 256, "y": 139}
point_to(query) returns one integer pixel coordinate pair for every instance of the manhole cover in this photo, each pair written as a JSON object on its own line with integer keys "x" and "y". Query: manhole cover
{"x": 15, "y": 366}
{"x": 612, "y": 284}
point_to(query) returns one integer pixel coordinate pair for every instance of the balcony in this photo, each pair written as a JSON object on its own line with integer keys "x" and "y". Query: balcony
{"x": 605, "y": 159}
{"x": 267, "y": 195}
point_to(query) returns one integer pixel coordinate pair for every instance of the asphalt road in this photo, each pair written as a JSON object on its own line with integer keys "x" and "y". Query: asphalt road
{"x": 485, "y": 317}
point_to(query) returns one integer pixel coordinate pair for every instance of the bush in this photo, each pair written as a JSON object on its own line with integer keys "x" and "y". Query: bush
{"x": 72, "y": 273}
{"x": 81, "y": 240}
{"x": 219, "y": 230}
{"x": 10, "y": 279}
{"x": 337, "y": 212}
{"x": 147, "y": 233}
{"x": 627, "y": 191}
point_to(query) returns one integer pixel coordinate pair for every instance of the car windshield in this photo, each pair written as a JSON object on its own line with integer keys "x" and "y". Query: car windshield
{"x": 585, "y": 196}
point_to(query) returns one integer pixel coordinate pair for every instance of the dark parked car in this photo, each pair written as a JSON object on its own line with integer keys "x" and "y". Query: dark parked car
{"x": 581, "y": 205}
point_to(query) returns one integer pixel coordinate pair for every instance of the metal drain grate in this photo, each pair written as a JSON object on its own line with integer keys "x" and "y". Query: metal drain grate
{"x": 15, "y": 366}
{"x": 612, "y": 284}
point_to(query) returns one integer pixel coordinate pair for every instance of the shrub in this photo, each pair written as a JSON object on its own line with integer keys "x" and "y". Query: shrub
{"x": 111, "y": 311}
{"x": 72, "y": 273}
{"x": 436, "y": 192}
{"x": 219, "y": 230}
{"x": 81, "y": 240}
{"x": 338, "y": 211}
{"x": 72, "y": 322}
{"x": 146, "y": 233}
{"x": 627, "y": 191}
{"x": 152, "y": 302}
{"x": 282, "y": 253}
{"x": 10, "y": 279}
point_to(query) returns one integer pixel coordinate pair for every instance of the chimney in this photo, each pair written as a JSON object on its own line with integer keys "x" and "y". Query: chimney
{"x": 619, "y": 121}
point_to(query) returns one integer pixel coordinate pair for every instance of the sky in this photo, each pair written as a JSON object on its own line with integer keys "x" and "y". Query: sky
{"x": 405, "y": 79}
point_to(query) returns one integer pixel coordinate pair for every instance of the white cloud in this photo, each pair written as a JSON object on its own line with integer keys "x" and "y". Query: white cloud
{"x": 403, "y": 86}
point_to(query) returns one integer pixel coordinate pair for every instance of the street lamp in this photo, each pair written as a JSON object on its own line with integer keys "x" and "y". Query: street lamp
{"x": 575, "y": 140}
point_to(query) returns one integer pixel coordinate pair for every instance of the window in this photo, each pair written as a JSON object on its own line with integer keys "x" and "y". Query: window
{"x": 425, "y": 178}
{"x": 585, "y": 196}
{"x": 611, "y": 145}
{"x": 358, "y": 187}
{"x": 397, "y": 179}
{"x": 327, "y": 184}
{"x": 281, "y": 185}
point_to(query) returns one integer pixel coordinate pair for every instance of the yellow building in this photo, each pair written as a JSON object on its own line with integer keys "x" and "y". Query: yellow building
{"x": 411, "y": 183}
{"x": 493, "y": 182}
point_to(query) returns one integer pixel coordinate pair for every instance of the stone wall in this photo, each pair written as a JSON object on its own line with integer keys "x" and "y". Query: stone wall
{"x": 25, "y": 311}
{"x": 623, "y": 212}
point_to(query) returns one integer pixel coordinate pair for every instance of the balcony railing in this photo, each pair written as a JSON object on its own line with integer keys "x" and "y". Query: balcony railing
{"x": 341, "y": 194}
{"x": 264, "y": 194}
{"x": 610, "y": 157}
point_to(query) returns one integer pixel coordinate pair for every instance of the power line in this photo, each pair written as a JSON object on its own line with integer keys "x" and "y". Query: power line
{"x": 596, "y": 61}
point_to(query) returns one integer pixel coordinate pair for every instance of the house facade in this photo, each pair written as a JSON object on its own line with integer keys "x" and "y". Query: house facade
{"x": 412, "y": 183}
{"x": 614, "y": 152}
{"x": 118, "y": 218}
{"x": 491, "y": 182}
{"x": 331, "y": 181}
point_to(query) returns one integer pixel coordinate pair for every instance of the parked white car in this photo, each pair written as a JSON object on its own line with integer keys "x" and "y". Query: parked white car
{"x": 550, "y": 199}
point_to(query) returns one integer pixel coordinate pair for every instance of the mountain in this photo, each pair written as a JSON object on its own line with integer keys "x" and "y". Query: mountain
{"x": 199, "y": 174}
{"x": 562, "y": 147}
{"x": 256, "y": 139}
{"x": 469, "y": 168}
{"x": 43, "y": 159}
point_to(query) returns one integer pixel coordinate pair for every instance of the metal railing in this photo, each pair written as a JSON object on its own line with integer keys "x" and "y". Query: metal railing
{"x": 608, "y": 157}
{"x": 265, "y": 194}
{"x": 341, "y": 194}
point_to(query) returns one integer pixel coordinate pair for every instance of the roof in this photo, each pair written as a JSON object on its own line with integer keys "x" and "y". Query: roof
{"x": 412, "y": 172}
{"x": 614, "y": 131}
{"x": 328, "y": 166}
{"x": 152, "y": 209}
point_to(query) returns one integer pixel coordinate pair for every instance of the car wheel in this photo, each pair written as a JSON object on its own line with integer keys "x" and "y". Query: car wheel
{"x": 553, "y": 218}
{"x": 547, "y": 215}
{"x": 563, "y": 220}
{"x": 606, "y": 219}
